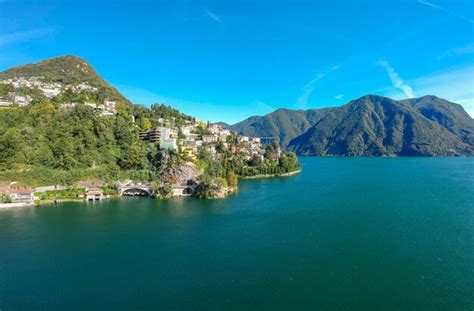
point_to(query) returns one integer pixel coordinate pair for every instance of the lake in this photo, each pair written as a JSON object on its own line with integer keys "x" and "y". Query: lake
{"x": 345, "y": 234}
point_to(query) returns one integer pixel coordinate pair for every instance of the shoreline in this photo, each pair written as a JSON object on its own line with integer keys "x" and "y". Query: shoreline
{"x": 229, "y": 191}
{"x": 261, "y": 176}
{"x": 13, "y": 205}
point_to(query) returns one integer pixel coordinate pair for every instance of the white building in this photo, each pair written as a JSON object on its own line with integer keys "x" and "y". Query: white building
{"x": 185, "y": 130}
{"x": 168, "y": 144}
{"x": 165, "y": 133}
{"x": 209, "y": 138}
{"x": 22, "y": 100}
{"x": 244, "y": 138}
{"x": 22, "y": 195}
{"x": 5, "y": 103}
{"x": 255, "y": 140}
{"x": 51, "y": 91}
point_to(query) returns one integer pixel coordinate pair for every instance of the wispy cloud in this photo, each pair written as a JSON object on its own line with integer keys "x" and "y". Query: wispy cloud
{"x": 437, "y": 7}
{"x": 263, "y": 108}
{"x": 396, "y": 80}
{"x": 22, "y": 36}
{"x": 213, "y": 16}
{"x": 308, "y": 89}
{"x": 430, "y": 4}
{"x": 468, "y": 49}
{"x": 339, "y": 97}
{"x": 455, "y": 84}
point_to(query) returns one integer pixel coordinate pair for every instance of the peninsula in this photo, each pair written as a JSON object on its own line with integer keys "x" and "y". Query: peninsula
{"x": 65, "y": 133}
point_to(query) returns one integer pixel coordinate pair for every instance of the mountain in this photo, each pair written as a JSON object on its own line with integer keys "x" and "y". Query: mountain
{"x": 282, "y": 125}
{"x": 66, "y": 71}
{"x": 370, "y": 126}
{"x": 450, "y": 115}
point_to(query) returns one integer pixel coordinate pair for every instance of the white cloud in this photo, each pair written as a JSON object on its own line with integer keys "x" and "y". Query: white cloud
{"x": 338, "y": 97}
{"x": 435, "y": 6}
{"x": 213, "y": 16}
{"x": 396, "y": 80}
{"x": 21, "y": 36}
{"x": 308, "y": 89}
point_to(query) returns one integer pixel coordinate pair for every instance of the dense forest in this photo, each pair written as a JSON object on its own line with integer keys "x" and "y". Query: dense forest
{"x": 47, "y": 143}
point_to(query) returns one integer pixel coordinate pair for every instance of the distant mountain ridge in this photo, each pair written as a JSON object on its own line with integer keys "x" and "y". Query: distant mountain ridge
{"x": 282, "y": 124}
{"x": 370, "y": 126}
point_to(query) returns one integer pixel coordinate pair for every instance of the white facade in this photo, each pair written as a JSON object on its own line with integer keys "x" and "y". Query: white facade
{"x": 168, "y": 144}
{"x": 209, "y": 138}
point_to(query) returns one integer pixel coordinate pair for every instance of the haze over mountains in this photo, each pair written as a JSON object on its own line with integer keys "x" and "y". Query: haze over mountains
{"x": 370, "y": 126}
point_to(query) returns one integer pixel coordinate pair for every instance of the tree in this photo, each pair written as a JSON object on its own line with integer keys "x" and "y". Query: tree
{"x": 63, "y": 151}
{"x": 146, "y": 124}
{"x": 133, "y": 157}
{"x": 165, "y": 191}
{"x": 231, "y": 179}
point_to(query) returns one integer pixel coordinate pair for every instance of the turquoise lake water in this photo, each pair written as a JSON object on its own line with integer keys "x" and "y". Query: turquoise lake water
{"x": 345, "y": 234}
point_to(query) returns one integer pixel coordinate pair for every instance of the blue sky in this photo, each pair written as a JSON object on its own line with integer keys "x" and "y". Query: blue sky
{"x": 227, "y": 60}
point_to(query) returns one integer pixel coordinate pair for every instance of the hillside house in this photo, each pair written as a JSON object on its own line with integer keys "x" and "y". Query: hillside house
{"x": 209, "y": 138}
{"x": 22, "y": 100}
{"x": 5, "y": 102}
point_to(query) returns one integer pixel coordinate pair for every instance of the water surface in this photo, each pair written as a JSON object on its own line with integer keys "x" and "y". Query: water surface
{"x": 345, "y": 234}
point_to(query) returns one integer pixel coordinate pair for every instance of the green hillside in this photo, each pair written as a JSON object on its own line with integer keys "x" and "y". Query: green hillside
{"x": 372, "y": 125}
{"x": 378, "y": 126}
{"x": 66, "y": 70}
{"x": 282, "y": 125}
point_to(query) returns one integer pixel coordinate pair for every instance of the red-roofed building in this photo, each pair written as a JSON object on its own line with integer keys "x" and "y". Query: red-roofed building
{"x": 22, "y": 195}
{"x": 94, "y": 194}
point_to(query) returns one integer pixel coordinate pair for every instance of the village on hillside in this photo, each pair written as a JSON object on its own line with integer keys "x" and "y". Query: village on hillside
{"x": 187, "y": 137}
{"x": 185, "y": 141}
{"x": 197, "y": 158}
{"x": 16, "y": 92}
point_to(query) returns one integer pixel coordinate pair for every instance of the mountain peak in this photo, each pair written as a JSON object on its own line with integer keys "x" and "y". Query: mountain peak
{"x": 373, "y": 98}
{"x": 428, "y": 97}
{"x": 370, "y": 125}
{"x": 66, "y": 70}
{"x": 57, "y": 68}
